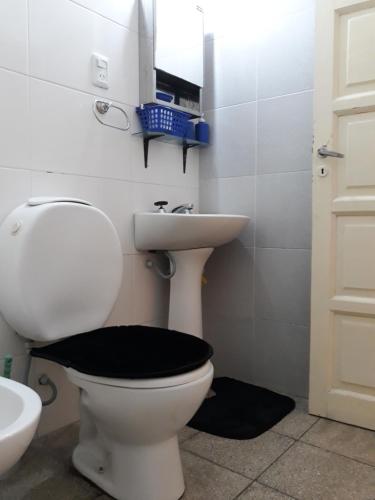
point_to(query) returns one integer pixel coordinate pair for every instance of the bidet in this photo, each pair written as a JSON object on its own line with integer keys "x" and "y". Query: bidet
{"x": 19, "y": 417}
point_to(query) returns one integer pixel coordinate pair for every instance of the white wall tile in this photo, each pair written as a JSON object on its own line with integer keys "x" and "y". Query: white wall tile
{"x": 63, "y": 36}
{"x": 164, "y": 163}
{"x": 65, "y": 409}
{"x": 15, "y": 189}
{"x": 146, "y": 194}
{"x": 150, "y": 291}
{"x": 48, "y": 127}
{"x": 145, "y": 13}
{"x": 114, "y": 197}
{"x": 285, "y": 348}
{"x": 282, "y": 285}
{"x": 283, "y": 33}
{"x": 231, "y": 195}
{"x": 227, "y": 302}
{"x": 10, "y": 342}
{"x": 124, "y": 12}
{"x": 277, "y": 8}
{"x": 222, "y": 18}
{"x": 19, "y": 367}
{"x": 122, "y": 312}
{"x": 284, "y": 210}
{"x": 66, "y": 136}
{"x": 286, "y": 56}
{"x": 13, "y": 34}
{"x": 14, "y": 138}
{"x": 229, "y": 72}
{"x": 232, "y": 150}
{"x": 285, "y": 133}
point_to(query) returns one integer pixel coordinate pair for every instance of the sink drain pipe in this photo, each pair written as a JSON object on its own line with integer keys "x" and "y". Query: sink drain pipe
{"x": 150, "y": 264}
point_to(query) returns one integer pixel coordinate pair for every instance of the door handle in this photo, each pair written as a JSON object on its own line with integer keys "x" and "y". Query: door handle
{"x": 323, "y": 152}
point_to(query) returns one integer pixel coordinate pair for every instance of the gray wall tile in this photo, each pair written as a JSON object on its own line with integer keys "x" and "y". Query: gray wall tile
{"x": 280, "y": 357}
{"x": 282, "y": 284}
{"x": 259, "y": 164}
{"x": 231, "y": 195}
{"x": 286, "y": 55}
{"x": 228, "y": 305}
{"x": 232, "y": 151}
{"x": 283, "y": 209}
{"x": 285, "y": 133}
{"x": 224, "y": 58}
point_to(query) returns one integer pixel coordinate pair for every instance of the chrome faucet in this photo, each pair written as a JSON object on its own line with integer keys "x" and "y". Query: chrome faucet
{"x": 185, "y": 208}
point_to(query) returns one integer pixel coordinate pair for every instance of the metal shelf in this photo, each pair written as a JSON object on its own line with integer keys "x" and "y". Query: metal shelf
{"x": 171, "y": 139}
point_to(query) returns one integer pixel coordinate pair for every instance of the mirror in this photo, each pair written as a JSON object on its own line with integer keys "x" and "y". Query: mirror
{"x": 178, "y": 39}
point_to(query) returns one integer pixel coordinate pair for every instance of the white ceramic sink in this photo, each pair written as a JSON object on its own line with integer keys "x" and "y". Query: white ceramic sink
{"x": 166, "y": 231}
{"x": 188, "y": 240}
{"x": 20, "y": 409}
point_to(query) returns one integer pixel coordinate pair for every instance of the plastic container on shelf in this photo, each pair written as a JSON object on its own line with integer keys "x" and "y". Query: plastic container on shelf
{"x": 157, "y": 118}
{"x": 202, "y": 131}
{"x": 190, "y": 131}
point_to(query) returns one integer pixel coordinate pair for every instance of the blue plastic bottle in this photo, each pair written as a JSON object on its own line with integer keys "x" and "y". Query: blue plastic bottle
{"x": 202, "y": 131}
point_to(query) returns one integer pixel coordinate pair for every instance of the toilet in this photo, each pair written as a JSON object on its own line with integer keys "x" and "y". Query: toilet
{"x": 60, "y": 275}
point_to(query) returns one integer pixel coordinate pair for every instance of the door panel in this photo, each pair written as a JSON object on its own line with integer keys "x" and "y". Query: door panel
{"x": 355, "y": 351}
{"x": 357, "y": 39}
{"x": 355, "y": 270}
{"x": 356, "y": 140}
{"x": 342, "y": 365}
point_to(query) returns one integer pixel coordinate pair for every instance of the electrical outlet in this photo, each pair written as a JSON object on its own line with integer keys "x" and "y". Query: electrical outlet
{"x": 100, "y": 71}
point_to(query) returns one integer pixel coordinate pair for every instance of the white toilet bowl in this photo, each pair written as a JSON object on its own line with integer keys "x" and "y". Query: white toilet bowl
{"x": 128, "y": 440}
{"x": 60, "y": 274}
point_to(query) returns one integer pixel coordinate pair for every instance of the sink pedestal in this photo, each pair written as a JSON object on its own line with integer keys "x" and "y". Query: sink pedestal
{"x": 185, "y": 299}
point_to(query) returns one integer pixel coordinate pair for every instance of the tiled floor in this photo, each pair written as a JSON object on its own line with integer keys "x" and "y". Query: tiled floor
{"x": 302, "y": 457}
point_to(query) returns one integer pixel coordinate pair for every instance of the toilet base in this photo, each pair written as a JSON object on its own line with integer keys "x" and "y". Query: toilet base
{"x": 128, "y": 441}
{"x": 133, "y": 472}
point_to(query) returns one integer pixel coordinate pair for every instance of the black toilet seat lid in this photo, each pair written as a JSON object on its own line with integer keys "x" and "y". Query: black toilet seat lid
{"x": 133, "y": 352}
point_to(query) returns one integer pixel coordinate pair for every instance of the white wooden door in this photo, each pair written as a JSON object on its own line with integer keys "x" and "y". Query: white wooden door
{"x": 342, "y": 364}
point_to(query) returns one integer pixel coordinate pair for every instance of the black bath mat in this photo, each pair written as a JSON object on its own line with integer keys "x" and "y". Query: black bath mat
{"x": 240, "y": 410}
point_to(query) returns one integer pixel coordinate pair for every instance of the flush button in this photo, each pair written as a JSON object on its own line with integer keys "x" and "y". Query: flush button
{"x": 16, "y": 227}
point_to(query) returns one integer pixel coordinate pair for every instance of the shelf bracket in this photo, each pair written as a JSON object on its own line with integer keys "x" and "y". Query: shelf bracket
{"x": 185, "y": 148}
{"x": 146, "y": 141}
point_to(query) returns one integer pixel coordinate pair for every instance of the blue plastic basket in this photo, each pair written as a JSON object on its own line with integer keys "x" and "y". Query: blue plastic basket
{"x": 156, "y": 118}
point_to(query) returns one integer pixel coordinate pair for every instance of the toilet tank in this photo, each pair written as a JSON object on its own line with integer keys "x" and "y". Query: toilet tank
{"x": 60, "y": 268}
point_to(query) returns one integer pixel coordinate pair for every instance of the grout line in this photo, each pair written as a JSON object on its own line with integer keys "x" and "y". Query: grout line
{"x": 11, "y": 70}
{"x": 288, "y": 435}
{"x": 224, "y": 177}
{"x": 105, "y": 17}
{"x": 87, "y": 176}
{"x": 291, "y": 94}
{"x": 259, "y": 99}
{"x": 276, "y": 459}
{"x": 218, "y": 465}
{"x": 284, "y": 248}
{"x": 357, "y": 460}
{"x": 28, "y": 37}
{"x": 87, "y": 92}
{"x": 307, "y": 430}
{"x": 243, "y": 491}
{"x": 285, "y": 323}
{"x": 278, "y": 491}
{"x": 287, "y": 172}
{"x": 235, "y": 105}
{"x": 65, "y": 86}
{"x": 254, "y": 233}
